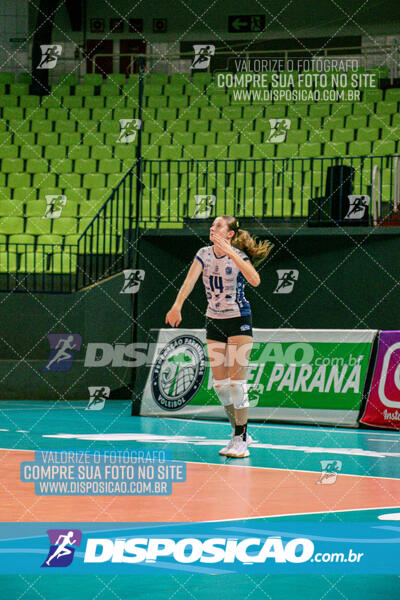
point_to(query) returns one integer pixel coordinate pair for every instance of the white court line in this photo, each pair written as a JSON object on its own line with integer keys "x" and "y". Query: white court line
{"x": 313, "y": 428}
{"x": 317, "y": 512}
{"x": 381, "y": 440}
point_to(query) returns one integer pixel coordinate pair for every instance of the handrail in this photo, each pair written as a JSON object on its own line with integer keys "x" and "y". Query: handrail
{"x": 396, "y": 190}
{"x": 376, "y": 186}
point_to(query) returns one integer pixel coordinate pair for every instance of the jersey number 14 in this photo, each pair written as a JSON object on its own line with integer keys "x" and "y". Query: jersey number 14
{"x": 216, "y": 283}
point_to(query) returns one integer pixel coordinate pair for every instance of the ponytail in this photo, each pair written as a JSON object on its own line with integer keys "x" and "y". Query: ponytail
{"x": 256, "y": 251}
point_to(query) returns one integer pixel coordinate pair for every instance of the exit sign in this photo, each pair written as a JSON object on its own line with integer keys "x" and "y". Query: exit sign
{"x": 246, "y": 23}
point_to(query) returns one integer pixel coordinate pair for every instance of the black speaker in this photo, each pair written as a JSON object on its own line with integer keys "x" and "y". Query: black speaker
{"x": 339, "y": 186}
{"x": 339, "y": 206}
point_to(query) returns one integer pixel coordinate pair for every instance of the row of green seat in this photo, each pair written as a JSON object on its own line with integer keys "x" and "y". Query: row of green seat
{"x": 231, "y": 113}
{"x": 120, "y": 78}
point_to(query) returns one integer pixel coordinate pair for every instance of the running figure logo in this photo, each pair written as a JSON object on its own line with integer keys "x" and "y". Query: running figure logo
{"x": 358, "y": 207}
{"x": 54, "y": 206}
{"x": 204, "y": 206}
{"x": 286, "y": 280}
{"x": 330, "y": 470}
{"x": 61, "y": 551}
{"x": 98, "y": 396}
{"x": 279, "y": 129}
{"x": 133, "y": 279}
{"x": 129, "y": 129}
{"x": 202, "y": 56}
{"x": 50, "y": 55}
{"x": 62, "y": 351}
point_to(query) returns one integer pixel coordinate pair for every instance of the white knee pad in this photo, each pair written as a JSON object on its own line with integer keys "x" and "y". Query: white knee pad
{"x": 223, "y": 390}
{"x": 239, "y": 393}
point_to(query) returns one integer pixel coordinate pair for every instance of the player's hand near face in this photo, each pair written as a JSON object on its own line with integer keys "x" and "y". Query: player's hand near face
{"x": 222, "y": 244}
{"x": 173, "y": 317}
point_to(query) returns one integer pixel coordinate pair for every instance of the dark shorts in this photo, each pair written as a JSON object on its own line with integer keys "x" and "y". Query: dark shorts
{"x": 221, "y": 329}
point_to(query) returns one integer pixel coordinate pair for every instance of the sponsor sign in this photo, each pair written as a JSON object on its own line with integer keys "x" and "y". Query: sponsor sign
{"x": 383, "y": 404}
{"x": 294, "y": 375}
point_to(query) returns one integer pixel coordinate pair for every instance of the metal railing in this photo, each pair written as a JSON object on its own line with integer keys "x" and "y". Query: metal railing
{"x": 171, "y": 193}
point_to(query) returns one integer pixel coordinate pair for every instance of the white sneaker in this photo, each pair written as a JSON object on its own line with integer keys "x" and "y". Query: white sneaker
{"x": 238, "y": 448}
{"x": 226, "y": 448}
{"x": 249, "y": 439}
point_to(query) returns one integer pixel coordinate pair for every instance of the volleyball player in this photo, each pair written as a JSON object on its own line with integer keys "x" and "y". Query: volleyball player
{"x": 227, "y": 265}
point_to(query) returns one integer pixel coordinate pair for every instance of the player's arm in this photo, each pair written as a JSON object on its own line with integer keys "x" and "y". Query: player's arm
{"x": 174, "y": 316}
{"x": 245, "y": 266}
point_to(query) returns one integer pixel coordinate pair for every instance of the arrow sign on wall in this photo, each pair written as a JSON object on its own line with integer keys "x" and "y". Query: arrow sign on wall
{"x": 246, "y": 23}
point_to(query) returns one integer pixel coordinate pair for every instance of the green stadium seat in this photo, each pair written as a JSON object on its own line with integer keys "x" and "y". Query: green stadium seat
{"x": 33, "y": 262}
{"x": 287, "y": 150}
{"x": 343, "y": 135}
{"x": 38, "y": 225}
{"x": 41, "y": 126}
{"x": 199, "y": 125}
{"x": 109, "y": 165}
{"x": 8, "y": 262}
{"x": 364, "y": 108}
{"x": 29, "y": 101}
{"x": 7, "y": 77}
{"x": 216, "y": 151}
{"x": 219, "y": 125}
{"x": 8, "y": 151}
{"x": 263, "y": 151}
{"x": 293, "y": 111}
{"x": 93, "y": 79}
{"x": 379, "y": 121}
{"x": 383, "y": 148}
{"x": 333, "y": 122}
{"x": 7, "y": 100}
{"x": 48, "y": 239}
{"x": 205, "y": 138}
{"x": 150, "y": 152}
{"x": 93, "y": 180}
{"x": 12, "y": 165}
{"x": 16, "y": 180}
{"x": 359, "y": 148}
{"x": 157, "y": 101}
{"x": 356, "y": 121}
{"x": 50, "y": 101}
{"x": 37, "y": 165}
{"x": 309, "y": 150}
{"x": 13, "y": 112}
{"x": 11, "y": 225}
{"x": 21, "y": 238}
{"x": 110, "y": 90}
{"x": 52, "y": 152}
{"x": 25, "y": 193}
{"x": 94, "y": 102}
{"x": 63, "y": 263}
{"x": 84, "y": 89}
{"x": 65, "y": 225}
{"x": 31, "y": 151}
{"x": 372, "y": 95}
{"x": 392, "y": 95}
{"x": 391, "y": 133}
{"x": 184, "y": 138}
{"x": 319, "y": 110}
{"x": 226, "y": 138}
{"x": 239, "y": 151}
{"x": 11, "y": 208}
{"x": 320, "y": 136}
{"x": 341, "y": 110}
{"x": 298, "y": 136}
{"x": 385, "y": 108}
{"x": 367, "y": 134}
{"x": 180, "y": 102}
{"x": 207, "y": 113}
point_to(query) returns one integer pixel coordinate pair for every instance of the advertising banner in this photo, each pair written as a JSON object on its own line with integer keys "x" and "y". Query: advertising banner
{"x": 306, "y": 375}
{"x": 383, "y": 405}
{"x": 264, "y": 547}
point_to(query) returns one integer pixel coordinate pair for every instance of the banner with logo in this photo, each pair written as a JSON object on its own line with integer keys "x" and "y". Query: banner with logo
{"x": 263, "y": 547}
{"x": 383, "y": 404}
{"x": 315, "y": 376}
